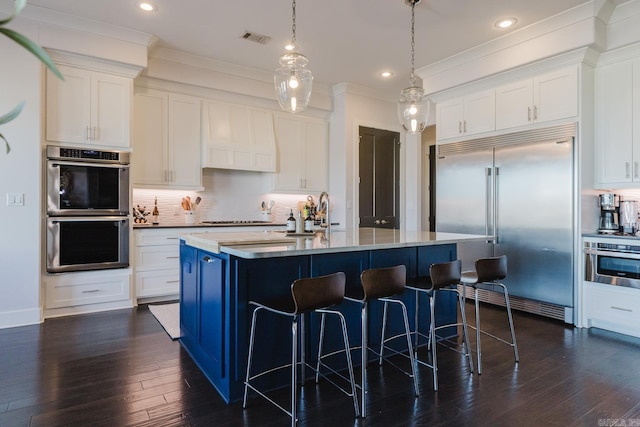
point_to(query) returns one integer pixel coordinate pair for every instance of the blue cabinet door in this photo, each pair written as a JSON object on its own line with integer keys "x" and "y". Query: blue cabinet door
{"x": 212, "y": 331}
{"x": 188, "y": 292}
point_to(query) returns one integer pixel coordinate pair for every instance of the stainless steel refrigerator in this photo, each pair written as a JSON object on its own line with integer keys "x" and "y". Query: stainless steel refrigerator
{"x": 519, "y": 189}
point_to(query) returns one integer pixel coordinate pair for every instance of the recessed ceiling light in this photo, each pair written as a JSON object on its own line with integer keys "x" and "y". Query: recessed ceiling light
{"x": 386, "y": 74}
{"x": 505, "y": 23}
{"x": 148, "y": 7}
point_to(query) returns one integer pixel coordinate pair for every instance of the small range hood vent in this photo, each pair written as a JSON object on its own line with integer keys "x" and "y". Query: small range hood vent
{"x": 255, "y": 37}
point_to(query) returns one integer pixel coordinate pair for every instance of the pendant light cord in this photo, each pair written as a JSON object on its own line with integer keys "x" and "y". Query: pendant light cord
{"x": 412, "y": 79}
{"x": 293, "y": 25}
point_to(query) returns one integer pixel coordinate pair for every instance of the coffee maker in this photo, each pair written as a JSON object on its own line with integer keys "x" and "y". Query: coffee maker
{"x": 609, "y": 204}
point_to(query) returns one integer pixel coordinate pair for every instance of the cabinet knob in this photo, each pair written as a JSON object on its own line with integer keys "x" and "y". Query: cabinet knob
{"x": 207, "y": 259}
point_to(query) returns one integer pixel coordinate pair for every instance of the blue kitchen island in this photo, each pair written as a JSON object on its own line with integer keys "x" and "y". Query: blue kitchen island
{"x": 221, "y": 273}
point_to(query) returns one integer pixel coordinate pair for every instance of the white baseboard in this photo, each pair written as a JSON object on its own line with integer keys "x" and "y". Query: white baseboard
{"x": 12, "y": 319}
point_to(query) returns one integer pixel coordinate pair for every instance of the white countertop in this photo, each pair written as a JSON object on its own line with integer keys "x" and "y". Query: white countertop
{"x": 358, "y": 239}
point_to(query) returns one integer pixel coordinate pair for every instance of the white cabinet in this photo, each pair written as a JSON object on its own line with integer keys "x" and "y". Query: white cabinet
{"x": 466, "y": 116}
{"x": 88, "y": 107}
{"x": 166, "y": 140}
{"x": 545, "y": 98}
{"x": 157, "y": 257}
{"x": 615, "y": 308}
{"x": 238, "y": 137}
{"x": 80, "y": 292}
{"x": 618, "y": 124}
{"x": 302, "y": 147}
{"x": 157, "y": 262}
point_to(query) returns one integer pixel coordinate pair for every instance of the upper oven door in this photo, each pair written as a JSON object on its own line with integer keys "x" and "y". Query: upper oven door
{"x": 85, "y": 188}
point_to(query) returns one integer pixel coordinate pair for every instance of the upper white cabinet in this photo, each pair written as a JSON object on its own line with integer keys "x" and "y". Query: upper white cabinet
{"x": 302, "y": 146}
{"x": 466, "y": 116}
{"x": 547, "y": 97}
{"x": 88, "y": 107}
{"x": 238, "y": 137}
{"x": 618, "y": 124}
{"x": 166, "y": 140}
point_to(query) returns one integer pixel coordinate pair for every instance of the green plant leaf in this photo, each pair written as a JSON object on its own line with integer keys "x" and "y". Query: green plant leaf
{"x": 12, "y": 114}
{"x": 5, "y": 143}
{"x": 18, "y": 6}
{"x": 33, "y": 48}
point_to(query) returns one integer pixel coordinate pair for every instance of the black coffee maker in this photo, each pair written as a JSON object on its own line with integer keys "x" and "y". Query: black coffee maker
{"x": 609, "y": 204}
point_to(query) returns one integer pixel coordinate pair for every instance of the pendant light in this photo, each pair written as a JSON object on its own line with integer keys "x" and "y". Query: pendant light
{"x": 413, "y": 107}
{"x": 293, "y": 80}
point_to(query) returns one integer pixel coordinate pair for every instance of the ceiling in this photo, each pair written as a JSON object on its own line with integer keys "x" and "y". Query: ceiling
{"x": 345, "y": 40}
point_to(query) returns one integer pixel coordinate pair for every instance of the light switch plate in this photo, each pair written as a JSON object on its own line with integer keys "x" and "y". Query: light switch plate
{"x": 15, "y": 199}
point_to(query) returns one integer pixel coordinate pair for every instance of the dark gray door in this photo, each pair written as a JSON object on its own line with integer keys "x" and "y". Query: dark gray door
{"x": 379, "y": 178}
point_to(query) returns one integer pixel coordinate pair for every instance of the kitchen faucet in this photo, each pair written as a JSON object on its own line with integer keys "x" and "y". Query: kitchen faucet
{"x": 325, "y": 220}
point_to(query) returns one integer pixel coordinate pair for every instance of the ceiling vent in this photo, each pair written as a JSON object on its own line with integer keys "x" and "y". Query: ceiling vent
{"x": 255, "y": 37}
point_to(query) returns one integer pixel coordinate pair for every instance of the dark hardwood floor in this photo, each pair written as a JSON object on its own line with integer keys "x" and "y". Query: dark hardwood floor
{"x": 120, "y": 368}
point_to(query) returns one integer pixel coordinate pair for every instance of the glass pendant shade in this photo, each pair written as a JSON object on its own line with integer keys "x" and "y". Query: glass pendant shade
{"x": 293, "y": 82}
{"x": 413, "y": 109}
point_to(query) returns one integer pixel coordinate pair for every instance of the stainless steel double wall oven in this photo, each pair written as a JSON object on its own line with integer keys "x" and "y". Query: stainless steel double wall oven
{"x": 87, "y": 209}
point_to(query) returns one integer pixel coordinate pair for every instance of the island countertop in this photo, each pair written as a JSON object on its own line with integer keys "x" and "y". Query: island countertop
{"x": 358, "y": 239}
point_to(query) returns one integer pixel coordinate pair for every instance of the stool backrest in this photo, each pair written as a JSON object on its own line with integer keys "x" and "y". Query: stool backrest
{"x": 384, "y": 282}
{"x": 491, "y": 269}
{"x": 445, "y": 274}
{"x": 318, "y": 292}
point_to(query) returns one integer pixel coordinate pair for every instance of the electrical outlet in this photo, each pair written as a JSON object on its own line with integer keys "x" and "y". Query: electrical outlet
{"x": 15, "y": 199}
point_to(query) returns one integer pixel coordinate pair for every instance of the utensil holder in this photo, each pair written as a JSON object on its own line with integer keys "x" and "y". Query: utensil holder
{"x": 189, "y": 217}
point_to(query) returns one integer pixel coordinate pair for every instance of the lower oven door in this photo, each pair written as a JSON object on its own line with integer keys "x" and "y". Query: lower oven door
{"x": 612, "y": 268}
{"x": 87, "y": 243}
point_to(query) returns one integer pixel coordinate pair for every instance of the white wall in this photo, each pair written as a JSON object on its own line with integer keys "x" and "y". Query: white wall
{"x": 20, "y": 172}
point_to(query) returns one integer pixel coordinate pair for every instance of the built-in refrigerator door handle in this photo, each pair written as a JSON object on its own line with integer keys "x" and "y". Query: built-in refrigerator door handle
{"x": 487, "y": 202}
{"x": 496, "y": 174}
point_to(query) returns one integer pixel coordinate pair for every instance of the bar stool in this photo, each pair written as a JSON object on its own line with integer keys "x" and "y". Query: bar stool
{"x": 487, "y": 276}
{"x": 380, "y": 284}
{"x": 443, "y": 277}
{"x": 314, "y": 294}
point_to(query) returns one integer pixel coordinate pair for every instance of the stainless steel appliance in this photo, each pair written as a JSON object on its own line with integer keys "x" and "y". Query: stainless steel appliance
{"x": 519, "y": 189}
{"x": 609, "y": 204}
{"x": 87, "y": 209}
{"x": 87, "y": 243}
{"x": 612, "y": 263}
{"x": 87, "y": 182}
{"x": 628, "y": 216}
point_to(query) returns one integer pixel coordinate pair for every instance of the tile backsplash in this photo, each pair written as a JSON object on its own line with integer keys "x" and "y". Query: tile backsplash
{"x": 227, "y": 195}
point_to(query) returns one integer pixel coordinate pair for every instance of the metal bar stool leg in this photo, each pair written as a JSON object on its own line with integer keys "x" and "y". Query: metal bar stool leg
{"x": 345, "y": 339}
{"x": 410, "y": 347}
{"x": 513, "y": 333}
{"x": 432, "y": 339}
{"x": 320, "y": 345}
{"x": 465, "y": 331}
{"x": 478, "y": 332}
{"x": 294, "y": 370}
{"x": 251, "y": 342}
{"x": 363, "y": 370}
{"x": 384, "y": 327}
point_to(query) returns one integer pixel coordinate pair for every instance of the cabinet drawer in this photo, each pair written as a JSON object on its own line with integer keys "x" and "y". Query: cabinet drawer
{"x": 157, "y": 257}
{"x": 156, "y": 237}
{"x": 67, "y": 293}
{"x": 613, "y": 307}
{"x": 158, "y": 283}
